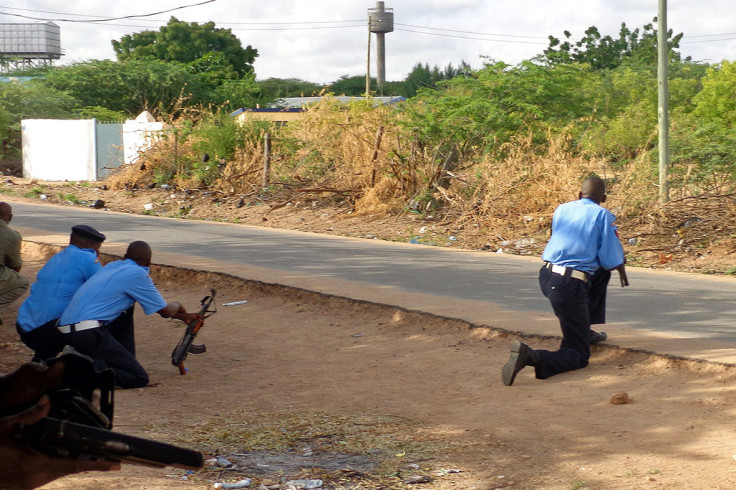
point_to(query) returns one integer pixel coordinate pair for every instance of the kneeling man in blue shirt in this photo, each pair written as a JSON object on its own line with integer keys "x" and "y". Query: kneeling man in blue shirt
{"x": 55, "y": 285}
{"x": 99, "y": 319}
{"x": 584, "y": 240}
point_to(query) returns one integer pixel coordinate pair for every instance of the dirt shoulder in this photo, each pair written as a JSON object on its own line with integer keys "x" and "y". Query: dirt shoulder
{"x": 302, "y": 386}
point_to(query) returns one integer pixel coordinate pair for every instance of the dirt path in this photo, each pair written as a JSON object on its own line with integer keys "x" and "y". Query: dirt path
{"x": 366, "y": 396}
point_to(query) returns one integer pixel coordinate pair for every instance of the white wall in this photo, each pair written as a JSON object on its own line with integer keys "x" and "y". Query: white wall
{"x": 55, "y": 149}
{"x": 138, "y": 136}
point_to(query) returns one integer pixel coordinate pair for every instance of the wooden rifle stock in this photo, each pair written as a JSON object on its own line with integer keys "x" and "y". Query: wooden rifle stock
{"x": 622, "y": 275}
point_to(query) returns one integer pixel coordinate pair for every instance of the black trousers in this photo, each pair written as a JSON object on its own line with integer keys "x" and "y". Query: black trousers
{"x": 597, "y": 295}
{"x": 46, "y": 341}
{"x": 113, "y": 346}
{"x": 570, "y": 301}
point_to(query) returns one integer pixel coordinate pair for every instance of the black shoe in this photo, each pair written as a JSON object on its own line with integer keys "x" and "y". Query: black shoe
{"x": 596, "y": 337}
{"x": 521, "y": 356}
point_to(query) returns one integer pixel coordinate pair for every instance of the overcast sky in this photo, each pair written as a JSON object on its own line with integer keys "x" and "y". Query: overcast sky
{"x": 322, "y": 40}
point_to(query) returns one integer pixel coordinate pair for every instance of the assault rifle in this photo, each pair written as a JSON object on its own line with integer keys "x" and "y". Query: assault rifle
{"x": 185, "y": 345}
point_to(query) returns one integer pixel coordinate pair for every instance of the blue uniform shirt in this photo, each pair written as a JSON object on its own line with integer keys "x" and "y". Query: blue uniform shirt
{"x": 584, "y": 237}
{"x": 55, "y": 285}
{"x": 114, "y": 289}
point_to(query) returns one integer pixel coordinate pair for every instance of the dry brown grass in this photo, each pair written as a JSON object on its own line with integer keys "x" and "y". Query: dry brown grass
{"x": 359, "y": 155}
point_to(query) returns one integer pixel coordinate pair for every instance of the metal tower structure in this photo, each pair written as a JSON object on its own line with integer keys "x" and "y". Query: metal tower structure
{"x": 380, "y": 21}
{"x": 28, "y": 45}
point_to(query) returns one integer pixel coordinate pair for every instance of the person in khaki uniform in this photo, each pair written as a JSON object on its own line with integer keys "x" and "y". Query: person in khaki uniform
{"x": 12, "y": 284}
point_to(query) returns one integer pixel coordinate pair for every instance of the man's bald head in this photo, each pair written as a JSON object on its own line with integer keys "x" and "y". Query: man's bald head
{"x": 139, "y": 252}
{"x": 594, "y": 188}
{"x": 6, "y": 212}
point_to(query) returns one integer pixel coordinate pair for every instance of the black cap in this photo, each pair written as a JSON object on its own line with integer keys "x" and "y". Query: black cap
{"x": 88, "y": 233}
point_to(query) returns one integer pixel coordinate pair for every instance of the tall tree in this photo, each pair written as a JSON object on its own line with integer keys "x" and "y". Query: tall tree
{"x": 157, "y": 86}
{"x": 422, "y": 76}
{"x": 275, "y": 88}
{"x": 129, "y": 87}
{"x": 352, "y": 86}
{"x": 187, "y": 42}
{"x": 605, "y": 52}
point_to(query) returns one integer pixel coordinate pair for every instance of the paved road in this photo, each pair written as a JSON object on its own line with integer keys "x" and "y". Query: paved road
{"x": 681, "y": 310}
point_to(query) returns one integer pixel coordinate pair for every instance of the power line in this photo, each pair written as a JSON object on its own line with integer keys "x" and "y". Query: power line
{"x": 243, "y": 28}
{"x": 473, "y": 38}
{"x": 94, "y": 18}
{"x": 110, "y": 18}
{"x": 710, "y": 40}
{"x": 713, "y": 35}
{"x": 469, "y": 32}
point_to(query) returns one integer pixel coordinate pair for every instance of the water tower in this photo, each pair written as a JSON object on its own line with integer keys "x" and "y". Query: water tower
{"x": 27, "y": 45}
{"x": 380, "y": 21}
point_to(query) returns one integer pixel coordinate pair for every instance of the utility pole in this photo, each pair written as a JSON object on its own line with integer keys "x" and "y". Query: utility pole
{"x": 368, "y": 65}
{"x": 663, "y": 57}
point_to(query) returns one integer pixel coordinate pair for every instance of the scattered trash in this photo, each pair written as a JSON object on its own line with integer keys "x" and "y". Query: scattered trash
{"x": 452, "y": 238}
{"x": 446, "y": 471}
{"x": 43, "y": 196}
{"x": 522, "y": 242}
{"x": 241, "y": 484}
{"x": 423, "y": 229}
{"x": 223, "y": 462}
{"x": 148, "y": 206}
{"x": 633, "y": 241}
{"x": 356, "y": 335}
{"x": 418, "y": 479}
{"x": 233, "y": 303}
{"x": 306, "y": 484}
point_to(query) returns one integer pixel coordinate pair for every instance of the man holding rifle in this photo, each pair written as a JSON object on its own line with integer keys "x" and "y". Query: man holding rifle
{"x": 583, "y": 249}
{"x": 99, "y": 319}
{"x": 21, "y": 466}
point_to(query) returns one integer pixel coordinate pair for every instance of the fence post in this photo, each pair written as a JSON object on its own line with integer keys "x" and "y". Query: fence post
{"x": 374, "y": 157}
{"x": 266, "y": 159}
